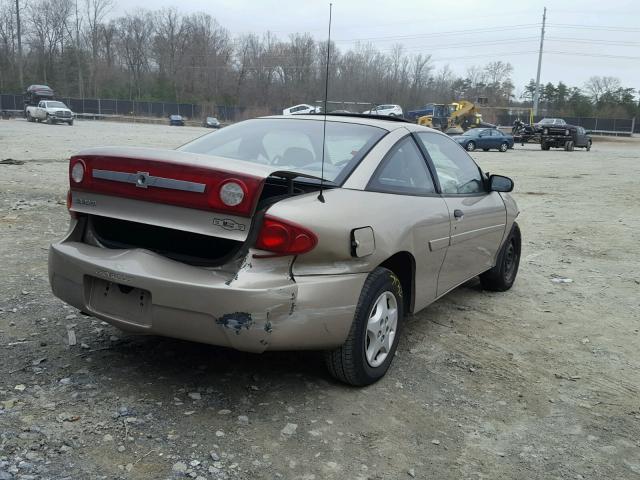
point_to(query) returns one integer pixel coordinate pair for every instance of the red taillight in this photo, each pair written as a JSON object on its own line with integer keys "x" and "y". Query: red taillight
{"x": 284, "y": 238}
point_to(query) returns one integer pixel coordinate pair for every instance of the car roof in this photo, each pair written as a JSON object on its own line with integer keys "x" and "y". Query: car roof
{"x": 380, "y": 121}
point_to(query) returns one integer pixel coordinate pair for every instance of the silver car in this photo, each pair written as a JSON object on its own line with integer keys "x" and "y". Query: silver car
{"x": 262, "y": 236}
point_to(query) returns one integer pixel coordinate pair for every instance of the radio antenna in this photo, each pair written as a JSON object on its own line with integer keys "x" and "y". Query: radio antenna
{"x": 326, "y": 93}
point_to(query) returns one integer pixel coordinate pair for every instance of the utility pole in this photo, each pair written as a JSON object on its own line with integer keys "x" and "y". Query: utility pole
{"x": 536, "y": 95}
{"x": 19, "y": 44}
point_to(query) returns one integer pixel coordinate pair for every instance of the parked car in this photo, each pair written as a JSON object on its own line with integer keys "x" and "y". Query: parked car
{"x": 234, "y": 239}
{"x": 211, "y": 122}
{"x": 301, "y": 109}
{"x": 565, "y": 136}
{"x": 486, "y": 139}
{"x": 388, "y": 110}
{"x": 176, "y": 121}
{"x": 50, "y": 111}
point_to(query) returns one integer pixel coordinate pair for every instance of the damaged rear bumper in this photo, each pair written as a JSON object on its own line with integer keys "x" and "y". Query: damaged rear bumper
{"x": 257, "y": 308}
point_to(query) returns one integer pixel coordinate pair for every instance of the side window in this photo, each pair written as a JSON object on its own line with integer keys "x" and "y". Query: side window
{"x": 496, "y": 133}
{"x": 41, "y": 105}
{"x": 457, "y": 172}
{"x": 403, "y": 171}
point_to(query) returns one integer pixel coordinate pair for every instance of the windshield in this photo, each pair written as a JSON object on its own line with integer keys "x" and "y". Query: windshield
{"x": 56, "y": 105}
{"x": 292, "y": 144}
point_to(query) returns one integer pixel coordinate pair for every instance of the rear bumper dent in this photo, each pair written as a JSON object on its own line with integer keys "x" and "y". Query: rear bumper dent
{"x": 251, "y": 310}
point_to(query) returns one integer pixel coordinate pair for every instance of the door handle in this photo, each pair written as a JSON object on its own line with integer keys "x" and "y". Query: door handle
{"x": 458, "y": 214}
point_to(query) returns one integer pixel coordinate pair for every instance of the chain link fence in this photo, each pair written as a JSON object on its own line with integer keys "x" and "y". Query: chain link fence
{"x": 613, "y": 126}
{"x": 110, "y": 107}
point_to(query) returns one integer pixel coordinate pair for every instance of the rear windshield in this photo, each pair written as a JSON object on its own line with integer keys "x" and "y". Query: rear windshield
{"x": 292, "y": 145}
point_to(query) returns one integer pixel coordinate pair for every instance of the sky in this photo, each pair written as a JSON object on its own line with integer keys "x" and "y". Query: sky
{"x": 582, "y": 39}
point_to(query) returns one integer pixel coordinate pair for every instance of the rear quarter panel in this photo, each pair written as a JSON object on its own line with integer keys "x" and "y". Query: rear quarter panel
{"x": 400, "y": 224}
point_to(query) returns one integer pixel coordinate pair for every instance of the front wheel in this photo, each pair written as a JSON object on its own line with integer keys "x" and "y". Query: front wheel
{"x": 70, "y": 123}
{"x": 502, "y": 276}
{"x": 504, "y": 146}
{"x": 589, "y": 146}
{"x": 471, "y": 146}
{"x": 49, "y": 120}
{"x": 367, "y": 353}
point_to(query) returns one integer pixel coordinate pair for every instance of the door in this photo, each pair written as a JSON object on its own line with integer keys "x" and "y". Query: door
{"x": 478, "y": 217}
{"x": 484, "y": 139}
{"x": 581, "y": 137}
{"x": 422, "y": 223}
{"x": 496, "y": 138}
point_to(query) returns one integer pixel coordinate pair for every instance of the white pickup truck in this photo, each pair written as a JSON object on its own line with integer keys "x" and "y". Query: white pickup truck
{"x": 51, "y": 111}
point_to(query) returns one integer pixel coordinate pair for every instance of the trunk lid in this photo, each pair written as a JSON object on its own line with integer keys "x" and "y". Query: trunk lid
{"x": 167, "y": 188}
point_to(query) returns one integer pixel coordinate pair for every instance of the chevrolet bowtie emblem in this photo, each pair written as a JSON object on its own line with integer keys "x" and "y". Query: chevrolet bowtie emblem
{"x": 141, "y": 179}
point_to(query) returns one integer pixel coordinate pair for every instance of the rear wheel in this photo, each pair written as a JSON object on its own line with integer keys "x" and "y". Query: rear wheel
{"x": 544, "y": 145}
{"x": 502, "y": 276}
{"x": 504, "y": 146}
{"x": 30, "y": 118}
{"x": 589, "y": 146}
{"x": 368, "y": 351}
{"x": 471, "y": 146}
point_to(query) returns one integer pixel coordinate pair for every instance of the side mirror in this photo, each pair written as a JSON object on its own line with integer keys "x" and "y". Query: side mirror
{"x": 498, "y": 183}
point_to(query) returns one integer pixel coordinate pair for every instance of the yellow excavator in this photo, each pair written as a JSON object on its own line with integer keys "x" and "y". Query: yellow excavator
{"x": 455, "y": 117}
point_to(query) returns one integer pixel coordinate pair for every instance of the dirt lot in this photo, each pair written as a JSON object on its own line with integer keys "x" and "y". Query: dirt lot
{"x": 541, "y": 382}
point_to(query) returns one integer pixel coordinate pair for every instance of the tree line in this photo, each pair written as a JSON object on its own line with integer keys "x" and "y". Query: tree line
{"x": 82, "y": 50}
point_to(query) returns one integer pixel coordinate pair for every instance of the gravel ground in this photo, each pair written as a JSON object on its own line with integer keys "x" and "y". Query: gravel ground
{"x": 541, "y": 382}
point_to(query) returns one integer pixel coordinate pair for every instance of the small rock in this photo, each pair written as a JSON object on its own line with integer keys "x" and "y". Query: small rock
{"x": 289, "y": 429}
{"x": 121, "y": 448}
{"x": 179, "y": 467}
{"x": 411, "y": 472}
{"x": 214, "y": 456}
{"x": 107, "y": 438}
{"x": 219, "y": 433}
{"x": 435, "y": 442}
{"x": 20, "y": 387}
{"x": 224, "y": 411}
{"x": 243, "y": 419}
{"x": 24, "y": 292}
{"x": 64, "y": 381}
{"x": 195, "y": 396}
{"x": 194, "y": 463}
{"x": 84, "y": 346}
{"x": 38, "y": 361}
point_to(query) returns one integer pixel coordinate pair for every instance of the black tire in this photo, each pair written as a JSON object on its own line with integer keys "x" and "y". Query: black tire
{"x": 504, "y": 146}
{"x": 70, "y": 123}
{"x": 30, "y": 118}
{"x": 471, "y": 146}
{"x": 588, "y": 146}
{"x": 501, "y": 277}
{"x": 49, "y": 120}
{"x": 544, "y": 146}
{"x": 348, "y": 363}
{"x": 569, "y": 146}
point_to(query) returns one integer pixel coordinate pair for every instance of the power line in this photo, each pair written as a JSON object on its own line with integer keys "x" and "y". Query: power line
{"x": 436, "y": 34}
{"x": 596, "y": 42}
{"x": 606, "y": 28}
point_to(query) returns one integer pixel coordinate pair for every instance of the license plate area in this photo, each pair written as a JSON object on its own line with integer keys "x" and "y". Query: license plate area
{"x": 122, "y": 302}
